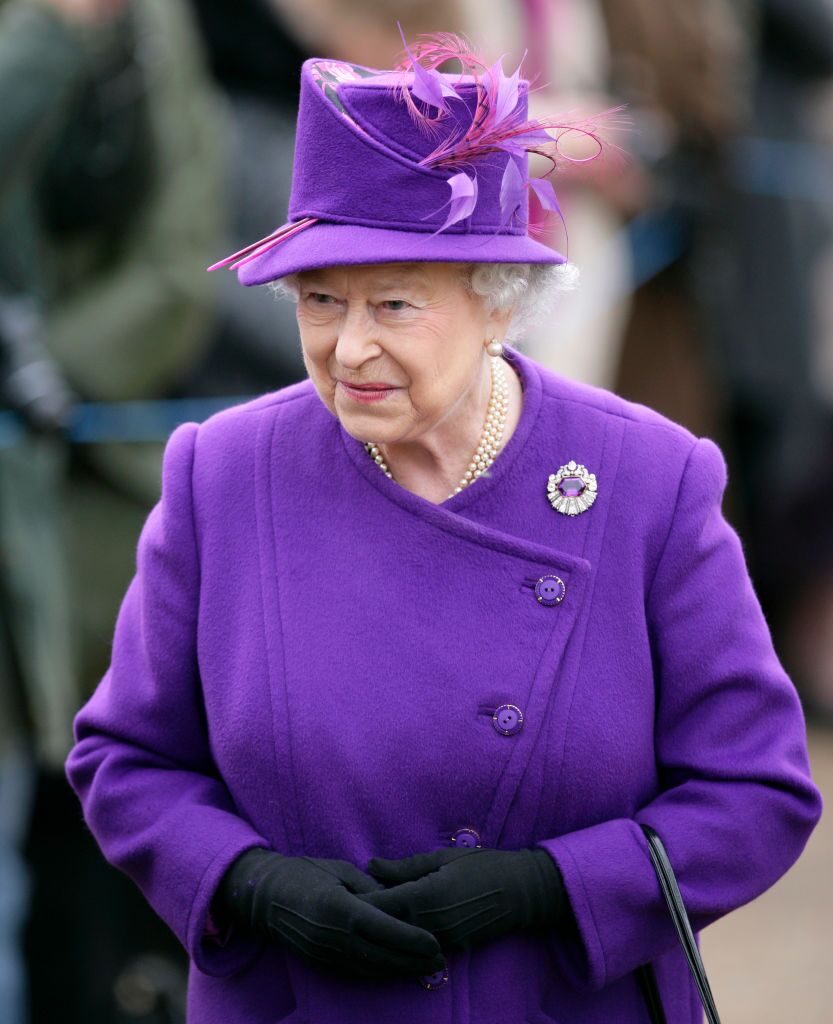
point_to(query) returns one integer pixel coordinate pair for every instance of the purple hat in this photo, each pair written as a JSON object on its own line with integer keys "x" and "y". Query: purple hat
{"x": 411, "y": 164}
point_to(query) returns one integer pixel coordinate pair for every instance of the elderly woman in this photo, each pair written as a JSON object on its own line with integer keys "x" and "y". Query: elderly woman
{"x": 416, "y": 646}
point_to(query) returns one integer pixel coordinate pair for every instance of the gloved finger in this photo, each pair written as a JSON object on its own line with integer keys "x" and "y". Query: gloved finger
{"x": 379, "y": 960}
{"x": 351, "y": 966}
{"x": 357, "y": 881}
{"x": 390, "y": 932}
{"x": 352, "y": 953}
{"x": 407, "y": 869}
{"x": 398, "y": 900}
{"x": 351, "y": 877}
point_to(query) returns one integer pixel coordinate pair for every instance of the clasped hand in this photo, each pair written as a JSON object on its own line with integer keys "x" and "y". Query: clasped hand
{"x": 331, "y": 912}
{"x": 467, "y": 896}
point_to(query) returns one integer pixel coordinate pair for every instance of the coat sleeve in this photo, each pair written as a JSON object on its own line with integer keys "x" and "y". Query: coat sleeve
{"x": 737, "y": 803}
{"x": 141, "y": 762}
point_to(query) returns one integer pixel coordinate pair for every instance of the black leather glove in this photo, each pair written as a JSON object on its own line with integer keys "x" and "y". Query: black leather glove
{"x": 465, "y": 897}
{"x": 312, "y": 905}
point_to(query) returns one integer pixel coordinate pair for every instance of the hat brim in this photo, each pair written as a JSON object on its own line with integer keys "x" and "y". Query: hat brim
{"x": 325, "y": 244}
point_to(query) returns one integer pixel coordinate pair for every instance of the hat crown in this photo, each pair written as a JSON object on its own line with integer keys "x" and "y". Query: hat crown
{"x": 358, "y": 154}
{"x": 377, "y": 109}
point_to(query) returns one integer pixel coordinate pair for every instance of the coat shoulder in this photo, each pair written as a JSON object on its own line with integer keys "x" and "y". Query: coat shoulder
{"x": 295, "y": 401}
{"x": 648, "y": 433}
{"x": 225, "y": 442}
{"x": 646, "y": 481}
{"x": 236, "y": 416}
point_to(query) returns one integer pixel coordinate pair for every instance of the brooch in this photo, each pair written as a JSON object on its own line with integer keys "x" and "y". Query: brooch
{"x": 571, "y": 489}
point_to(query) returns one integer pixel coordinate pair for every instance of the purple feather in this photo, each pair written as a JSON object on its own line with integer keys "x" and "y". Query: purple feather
{"x": 523, "y": 141}
{"x": 503, "y": 92}
{"x": 512, "y": 190}
{"x": 463, "y": 199}
{"x": 546, "y": 194}
{"x": 428, "y": 84}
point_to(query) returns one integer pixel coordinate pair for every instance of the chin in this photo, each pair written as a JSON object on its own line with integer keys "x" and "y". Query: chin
{"x": 357, "y": 426}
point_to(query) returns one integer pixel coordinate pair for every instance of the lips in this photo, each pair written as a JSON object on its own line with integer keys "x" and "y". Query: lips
{"x": 369, "y": 387}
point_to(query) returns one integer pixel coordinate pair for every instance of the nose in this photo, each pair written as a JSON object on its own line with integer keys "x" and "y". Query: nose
{"x": 356, "y": 341}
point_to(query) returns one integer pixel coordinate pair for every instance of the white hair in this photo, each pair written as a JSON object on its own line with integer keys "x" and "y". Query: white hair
{"x": 532, "y": 289}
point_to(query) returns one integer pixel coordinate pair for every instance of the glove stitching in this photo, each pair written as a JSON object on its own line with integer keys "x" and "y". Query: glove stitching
{"x": 310, "y": 920}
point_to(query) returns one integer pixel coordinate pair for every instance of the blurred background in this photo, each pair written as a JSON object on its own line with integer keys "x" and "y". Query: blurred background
{"x": 141, "y": 140}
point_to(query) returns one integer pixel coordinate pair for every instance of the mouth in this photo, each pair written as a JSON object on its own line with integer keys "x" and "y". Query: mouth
{"x": 374, "y": 392}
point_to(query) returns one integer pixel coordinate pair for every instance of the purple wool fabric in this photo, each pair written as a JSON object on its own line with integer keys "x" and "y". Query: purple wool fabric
{"x": 309, "y": 657}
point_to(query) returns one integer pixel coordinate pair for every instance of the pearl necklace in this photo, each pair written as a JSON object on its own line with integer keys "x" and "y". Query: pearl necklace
{"x": 490, "y": 437}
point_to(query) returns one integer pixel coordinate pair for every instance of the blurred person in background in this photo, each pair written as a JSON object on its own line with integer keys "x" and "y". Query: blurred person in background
{"x": 37, "y": 691}
{"x": 815, "y": 641}
{"x": 42, "y": 65}
{"x": 774, "y": 235}
{"x": 724, "y": 339}
{"x": 685, "y": 73}
{"x": 255, "y": 60}
{"x": 111, "y": 204}
{"x": 569, "y": 61}
{"x": 363, "y": 31}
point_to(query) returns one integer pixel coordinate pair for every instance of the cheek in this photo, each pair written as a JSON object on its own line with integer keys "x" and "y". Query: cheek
{"x": 317, "y": 348}
{"x": 441, "y": 365}
{"x": 446, "y": 364}
{"x": 318, "y": 371}
{"x": 432, "y": 391}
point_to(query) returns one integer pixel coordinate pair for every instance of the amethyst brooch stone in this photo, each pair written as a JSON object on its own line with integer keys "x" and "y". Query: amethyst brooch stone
{"x": 571, "y": 489}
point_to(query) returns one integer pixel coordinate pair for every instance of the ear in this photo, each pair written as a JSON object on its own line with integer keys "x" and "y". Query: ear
{"x": 497, "y": 322}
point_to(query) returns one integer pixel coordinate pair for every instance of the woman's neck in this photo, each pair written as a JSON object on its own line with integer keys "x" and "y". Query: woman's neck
{"x": 433, "y": 471}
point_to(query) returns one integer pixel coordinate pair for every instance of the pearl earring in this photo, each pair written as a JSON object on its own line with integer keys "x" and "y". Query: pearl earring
{"x": 494, "y": 348}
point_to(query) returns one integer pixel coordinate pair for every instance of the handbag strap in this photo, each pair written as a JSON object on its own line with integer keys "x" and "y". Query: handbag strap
{"x": 650, "y": 990}
{"x": 671, "y": 892}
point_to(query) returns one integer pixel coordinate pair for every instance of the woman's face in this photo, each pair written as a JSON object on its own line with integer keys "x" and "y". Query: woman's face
{"x": 412, "y": 327}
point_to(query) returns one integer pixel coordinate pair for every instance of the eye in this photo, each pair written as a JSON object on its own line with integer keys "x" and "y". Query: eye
{"x": 320, "y": 298}
{"x": 400, "y": 305}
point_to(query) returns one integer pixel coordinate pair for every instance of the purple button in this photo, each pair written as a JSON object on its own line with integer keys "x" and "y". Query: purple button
{"x": 465, "y": 837}
{"x": 550, "y": 590}
{"x": 508, "y": 719}
{"x": 435, "y": 980}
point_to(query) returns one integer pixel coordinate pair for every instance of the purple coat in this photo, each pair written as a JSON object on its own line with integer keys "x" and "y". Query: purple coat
{"x": 310, "y": 656}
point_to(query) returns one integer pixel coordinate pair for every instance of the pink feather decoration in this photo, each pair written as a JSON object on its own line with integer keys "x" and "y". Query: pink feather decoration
{"x": 246, "y": 255}
{"x": 428, "y": 85}
{"x": 497, "y": 126}
{"x": 546, "y": 196}
{"x": 423, "y": 58}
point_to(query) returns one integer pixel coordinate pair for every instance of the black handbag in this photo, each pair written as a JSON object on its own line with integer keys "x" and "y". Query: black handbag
{"x": 671, "y": 892}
